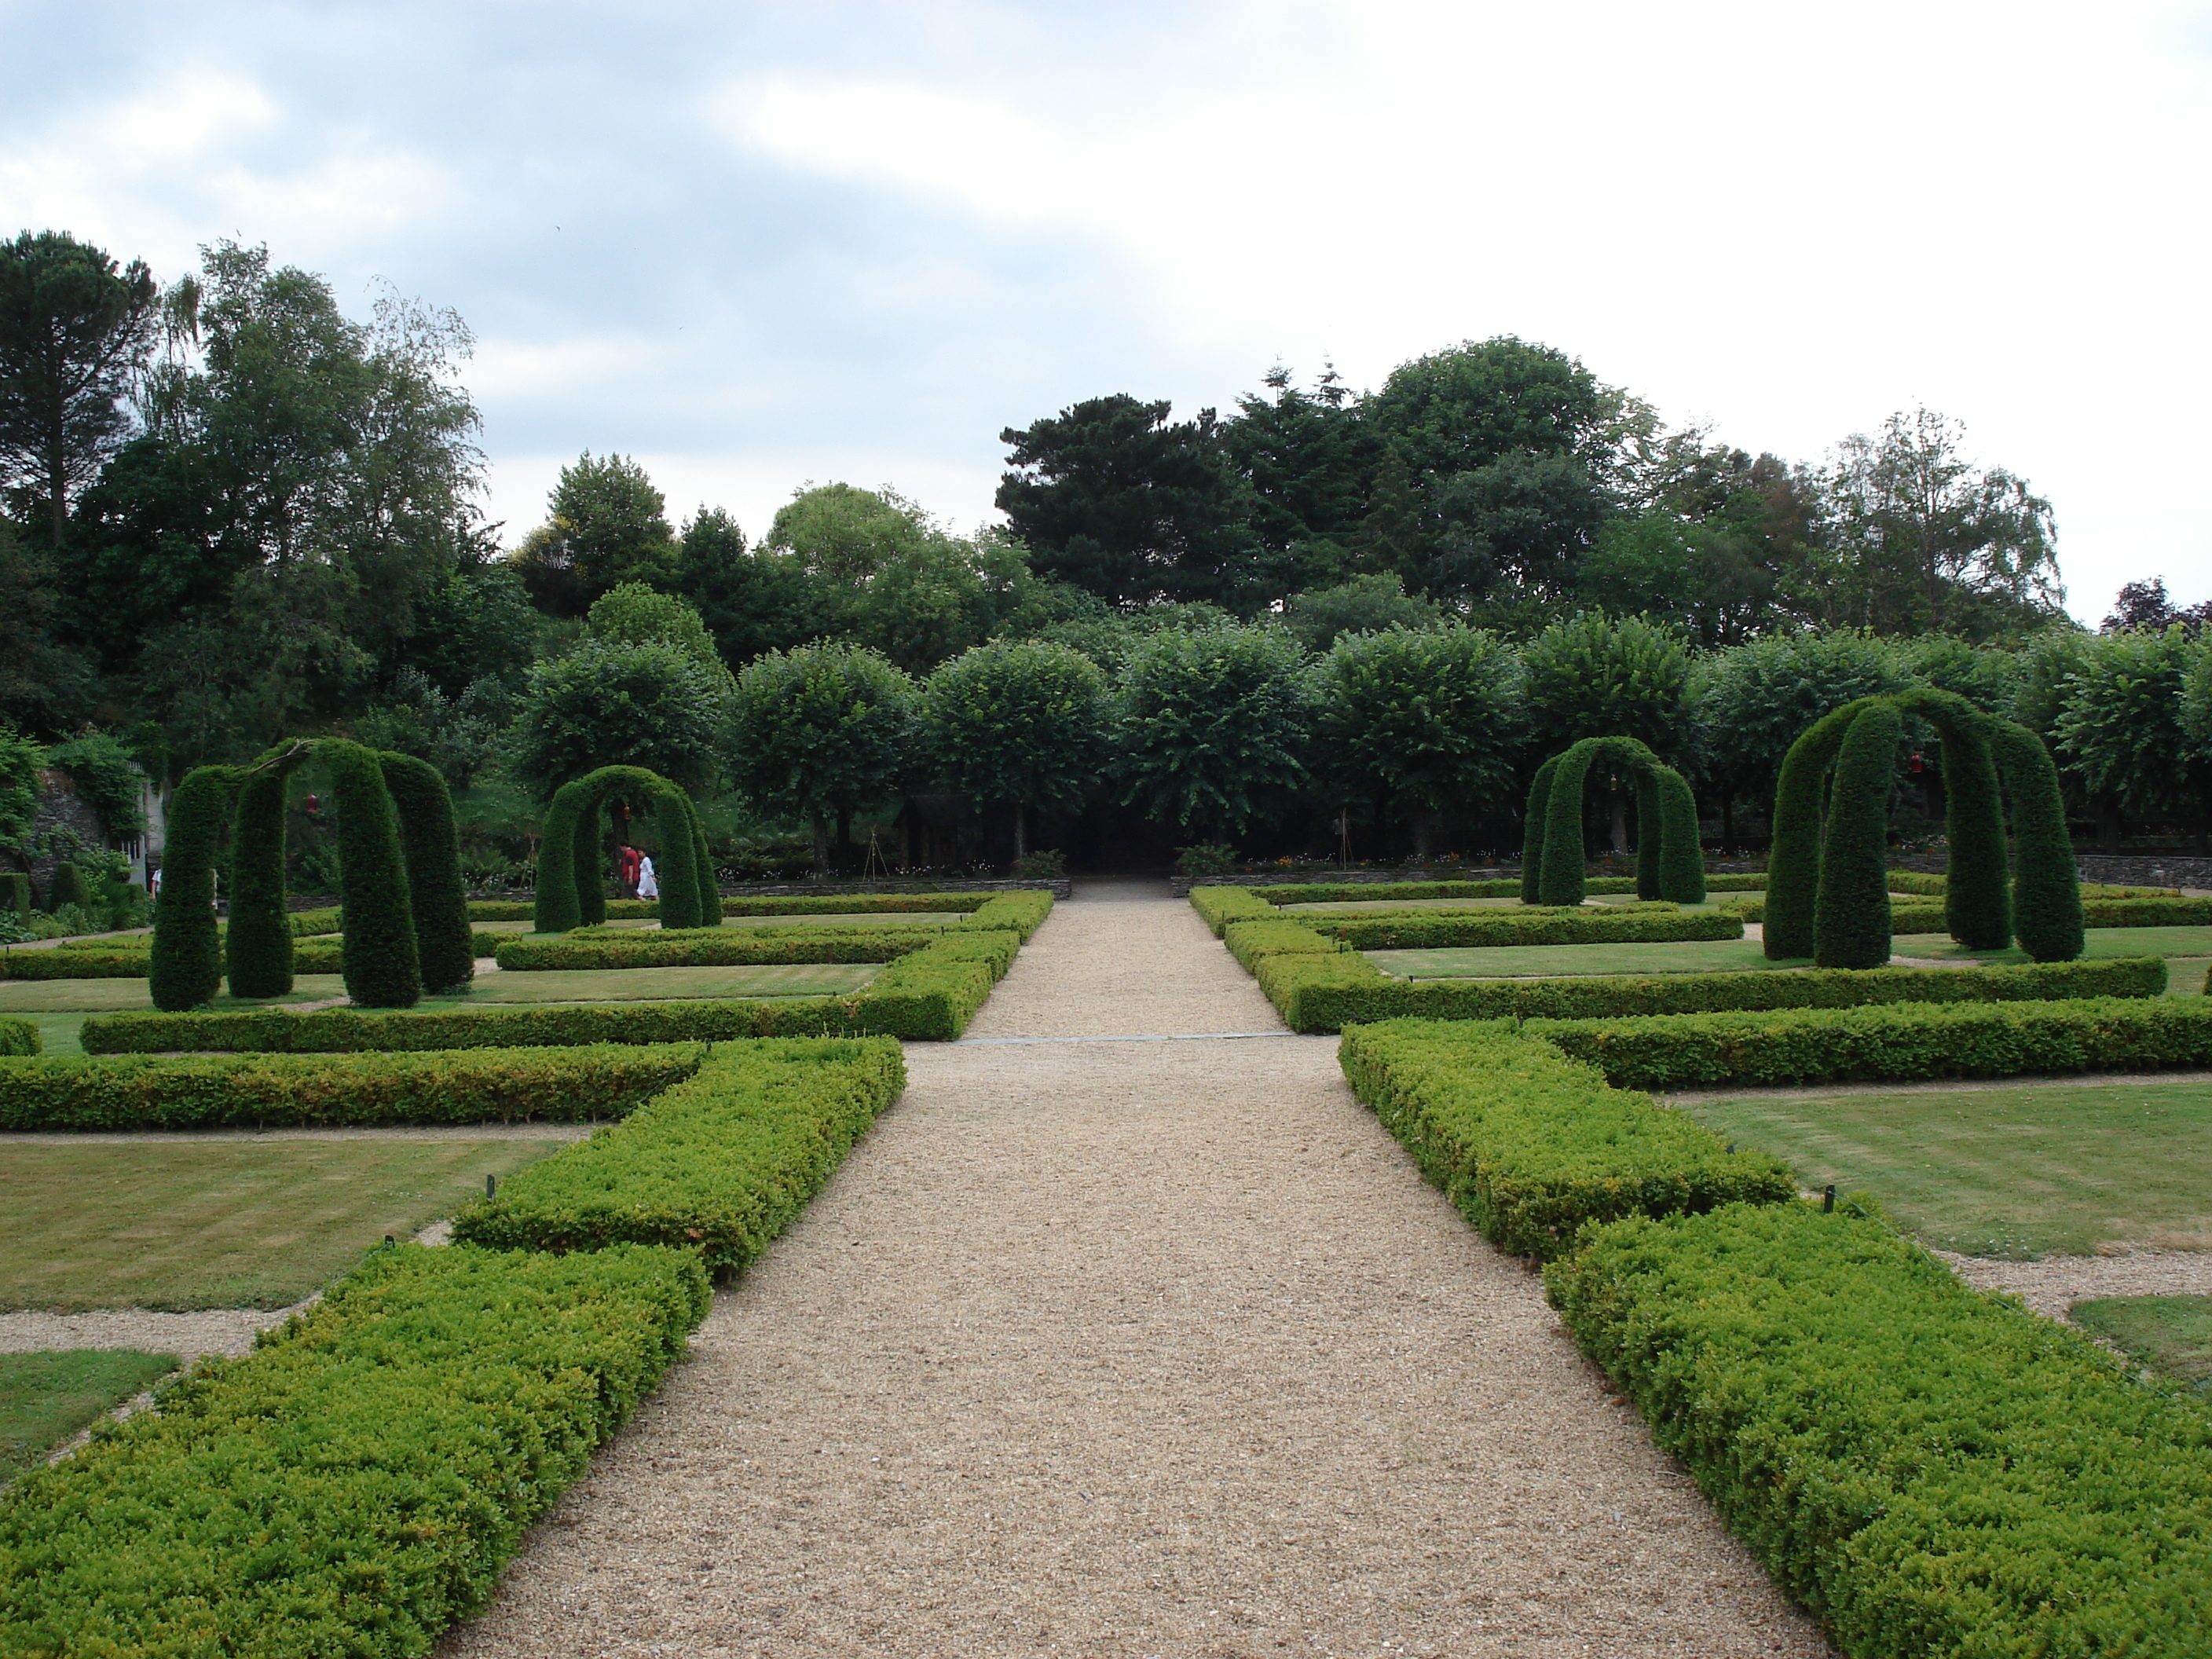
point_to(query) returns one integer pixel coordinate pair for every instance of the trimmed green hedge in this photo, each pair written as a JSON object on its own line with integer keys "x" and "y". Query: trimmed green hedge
{"x": 1431, "y": 930}
{"x": 1897, "y": 1042}
{"x": 431, "y": 845}
{"x": 722, "y": 949}
{"x": 76, "y": 964}
{"x": 1218, "y": 906}
{"x": 18, "y": 1036}
{"x": 185, "y": 968}
{"x": 522, "y": 909}
{"x": 1253, "y": 942}
{"x": 382, "y": 968}
{"x": 484, "y": 1085}
{"x": 1323, "y": 994}
{"x": 858, "y": 904}
{"x": 1533, "y": 1147}
{"x": 355, "y": 1485}
{"x": 719, "y": 1165}
{"x": 1931, "y": 1472}
{"x": 257, "y": 938}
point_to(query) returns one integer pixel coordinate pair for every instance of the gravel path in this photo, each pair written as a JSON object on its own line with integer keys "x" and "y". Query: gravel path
{"x": 1133, "y": 1348}
{"x": 188, "y": 1336}
{"x": 2053, "y": 1285}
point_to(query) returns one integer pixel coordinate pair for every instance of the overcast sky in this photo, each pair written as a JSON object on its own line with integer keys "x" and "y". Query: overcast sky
{"x": 758, "y": 245}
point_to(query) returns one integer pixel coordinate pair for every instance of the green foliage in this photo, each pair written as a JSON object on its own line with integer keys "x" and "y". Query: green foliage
{"x": 614, "y": 702}
{"x": 1424, "y": 723}
{"x": 1206, "y": 858}
{"x": 1212, "y": 725}
{"x": 709, "y": 912}
{"x": 2046, "y": 890}
{"x": 1793, "y": 867}
{"x": 1532, "y": 1146}
{"x": 187, "y": 964}
{"x": 408, "y": 1429}
{"x": 257, "y": 942}
{"x": 67, "y": 889}
{"x": 1534, "y": 825}
{"x": 480, "y": 1086}
{"x": 820, "y": 731}
{"x": 606, "y": 525}
{"x": 1218, "y": 906}
{"x": 20, "y": 761}
{"x": 1252, "y": 942}
{"x": 107, "y": 780}
{"x": 1756, "y": 699}
{"x": 1977, "y": 900}
{"x": 1851, "y": 919}
{"x": 721, "y": 948}
{"x": 1425, "y": 930}
{"x": 18, "y": 1036}
{"x": 382, "y": 966}
{"x": 1320, "y": 617}
{"x": 1927, "y": 1469}
{"x": 572, "y": 891}
{"x": 1593, "y": 676}
{"x": 1668, "y": 821}
{"x": 2118, "y": 727}
{"x": 14, "y": 893}
{"x": 1326, "y": 993}
{"x": 1680, "y": 875}
{"x": 722, "y": 1163}
{"x": 433, "y": 852}
{"x": 1893, "y": 1043}
{"x": 630, "y": 613}
{"x": 1022, "y": 722}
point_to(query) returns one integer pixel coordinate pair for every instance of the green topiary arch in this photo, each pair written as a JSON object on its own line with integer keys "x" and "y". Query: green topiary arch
{"x": 569, "y": 891}
{"x": 1827, "y": 883}
{"x": 1669, "y": 863}
{"x": 405, "y": 913}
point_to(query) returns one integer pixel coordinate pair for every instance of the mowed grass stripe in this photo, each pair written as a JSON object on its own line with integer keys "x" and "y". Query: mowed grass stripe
{"x": 1536, "y": 961}
{"x": 2026, "y": 1170}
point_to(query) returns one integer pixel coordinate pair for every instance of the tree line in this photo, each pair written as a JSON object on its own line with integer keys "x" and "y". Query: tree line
{"x": 235, "y": 514}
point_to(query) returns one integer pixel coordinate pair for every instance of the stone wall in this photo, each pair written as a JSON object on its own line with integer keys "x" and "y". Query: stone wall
{"x": 60, "y": 806}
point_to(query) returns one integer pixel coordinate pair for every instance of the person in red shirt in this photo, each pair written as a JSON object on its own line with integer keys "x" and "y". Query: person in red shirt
{"x": 627, "y": 866}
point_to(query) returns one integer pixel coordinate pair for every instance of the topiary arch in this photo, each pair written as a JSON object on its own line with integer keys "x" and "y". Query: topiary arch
{"x": 1827, "y": 882}
{"x": 1669, "y": 863}
{"x": 406, "y": 914}
{"x": 569, "y": 891}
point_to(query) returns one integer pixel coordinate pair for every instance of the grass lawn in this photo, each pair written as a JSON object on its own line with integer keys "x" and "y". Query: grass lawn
{"x": 2104, "y": 944}
{"x": 1720, "y": 956}
{"x": 57, "y": 1006}
{"x": 862, "y": 919}
{"x": 2171, "y": 1334}
{"x": 662, "y": 984}
{"x": 44, "y": 1398}
{"x": 2026, "y": 1170}
{"x": 190, "y": 1223}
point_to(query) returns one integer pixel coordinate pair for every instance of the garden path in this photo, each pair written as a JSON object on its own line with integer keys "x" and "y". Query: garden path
{"x": 1108, "y": 1348}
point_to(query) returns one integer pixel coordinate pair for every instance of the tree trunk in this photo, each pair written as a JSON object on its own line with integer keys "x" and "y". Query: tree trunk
{"x": 1620, "y": 821}
{"x": 821, "y": 844}
{"x": 1021, "y": 830}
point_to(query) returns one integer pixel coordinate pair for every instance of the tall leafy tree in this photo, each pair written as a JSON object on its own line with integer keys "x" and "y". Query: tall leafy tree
{"x": 621, "y": 702}
{"x": 1361, "y": 604}
{"x": 1310, "y": 460}
{"x": 1754, "y": 700}
{"x": 1212, "y": 724}
{"x": 1593, "y": 675}
{"x": 1111, "y": 495}
{"x": 605, "y": 524}
{"x": 74, "y": 331}
{"x": 1022, "y": 722}
{"x": 1422, "y": 724}
{"x": 2119, "y": 728}
{"x": 751, "y": 599}
{"x": 821, "y": 732}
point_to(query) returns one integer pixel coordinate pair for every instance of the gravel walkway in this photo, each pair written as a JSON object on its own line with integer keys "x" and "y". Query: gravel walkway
{"x": 1133, "y": 1348}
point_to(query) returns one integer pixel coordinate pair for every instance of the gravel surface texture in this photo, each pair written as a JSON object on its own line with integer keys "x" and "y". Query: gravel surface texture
{"x": 1133, "y": 1348}
{"x": 2053, "y": 1285}
{"x": 188, "y": 1336}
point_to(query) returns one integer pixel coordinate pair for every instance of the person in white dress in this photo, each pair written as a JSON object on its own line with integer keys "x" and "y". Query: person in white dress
{"x": 648, "y": 886}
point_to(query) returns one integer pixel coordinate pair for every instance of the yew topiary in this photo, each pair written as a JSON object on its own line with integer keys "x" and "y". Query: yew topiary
{"x": 1793, "y": 861}
{"x": 1851, "y": 918}
{"x": 185, "y": 964}
{"x": 1532, "y": 851}
{"x": 431, "y": 846}
{"x": 381, "y": 961}
{"x": 1669, "y": 864}
{"x": 2046, "y": 892}
{"x": 258, "y": 943}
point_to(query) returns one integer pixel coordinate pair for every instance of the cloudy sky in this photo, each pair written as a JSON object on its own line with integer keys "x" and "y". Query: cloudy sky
{"x": 755, "y": 245}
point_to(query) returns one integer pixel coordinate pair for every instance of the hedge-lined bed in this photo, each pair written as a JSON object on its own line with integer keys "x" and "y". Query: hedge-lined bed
{"x": 1612, "y": 924}
{"x": 715, "y": 948}
{"x": 719, "y": 1163}
{"x": 1931, "y": 1472}
{"x": 321, "y": 954}
{"x": 482, "y": 1085}
{"x": 356, "y": 1484}
{"x": 1898, "y": 1042}
{"x": 929, "y": 996}
{"x": 1530, "y": 1144}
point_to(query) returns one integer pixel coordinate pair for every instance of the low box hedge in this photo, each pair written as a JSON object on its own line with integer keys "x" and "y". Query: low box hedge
{"x": 1533, "y": 1147}
{"x": 1929, "y": 1470}
{"x": 18, "y": 1036}
{"x": 1252, "y": 942}
{"x": 1322, "y": 994}
{"x": 926, "y": 997}
{"x": 719, "y": 1165}
{"x": 477, "y": 1085}
{"x": 1609, "y": 924}
{"x": 1219, "y": 906}
{"x": 714, "y": 948}
{"x": 73, "y": 964}
{"x": 356, "y": 1484}
{"x": 1898, "y": 1042}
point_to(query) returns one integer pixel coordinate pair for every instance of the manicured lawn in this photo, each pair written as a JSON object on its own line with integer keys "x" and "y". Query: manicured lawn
{"x": 2171, "y": 1334}
{"x": 861, "y": 918}
{"x": 1723, "y": 956}
{"x": 661, "y": 984}
{"x": 179, "y": 1223}
{"x": 2026, "y": 1170}
{"x": 57, "y": 1006}
{"x": 2104, "y": 944}
{"x": 44, "y": 1398}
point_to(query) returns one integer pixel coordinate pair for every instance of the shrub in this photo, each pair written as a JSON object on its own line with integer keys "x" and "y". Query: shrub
{"x": 857, "y": 904}
{"x": 1445, "y": 930}
{"x": 1326, "y": 994}
{"x": 257, "y": 938}
{"x": 186, "y": 965}
{"x": 18, "y": 1036}
{"x": 58, "y": 963}
{"x": 1898, "y": 1042}
{"x": 715, "y": 949}
{"x": 1206, "y": 859}
{"x": 1978, "y": 900}
{"x": 1218, "y": 906}
{"x": 1793, "y": 867}
{"x": 383, "y": 967}
{"x": 1911, "y": 881}
{"x": 1533, "y": 1147}
{"x": 1929, "y": 1470}
{"x": 68, "y": 887}
{"x": 1251, "y": 942}
{"x": 2175, "y": 912}
{"x": 1041, "y": 864}
{"x": 719, "y": 1165}
{"x": 2046, "y": 890}
{"x": 1024, "y": 912}
{"x": 1851, "y": 919}
{"x": 356, "y": 1484}
{"x": 431, "y": 846}
{"x": 484, "y": 1085}
{"x": 16, "y": 892}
